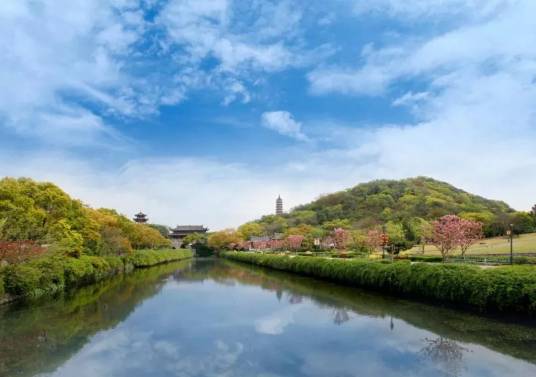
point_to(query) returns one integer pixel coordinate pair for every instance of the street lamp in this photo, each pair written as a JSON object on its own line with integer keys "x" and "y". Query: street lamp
{"x": 510, "y": 233}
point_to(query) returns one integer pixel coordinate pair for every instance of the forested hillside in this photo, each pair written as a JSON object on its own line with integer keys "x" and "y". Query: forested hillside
{"x": 404, "y": 207}
{"x": 43, "y": 213}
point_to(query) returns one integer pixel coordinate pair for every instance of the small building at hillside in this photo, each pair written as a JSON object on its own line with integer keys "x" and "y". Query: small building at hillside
{"x": 178, "y": 233}
{"x": 140, "y": 218}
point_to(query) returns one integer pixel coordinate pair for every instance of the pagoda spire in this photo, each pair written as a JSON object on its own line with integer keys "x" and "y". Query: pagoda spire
{"x": 279, "y": 206}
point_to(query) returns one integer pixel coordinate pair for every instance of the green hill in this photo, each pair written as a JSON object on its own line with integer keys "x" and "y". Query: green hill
{"x": 402, "y": 204}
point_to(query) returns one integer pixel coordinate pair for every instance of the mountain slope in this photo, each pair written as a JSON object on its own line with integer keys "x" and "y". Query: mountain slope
{"x": 403, "y": 202}
{"x": 385, "y": 200}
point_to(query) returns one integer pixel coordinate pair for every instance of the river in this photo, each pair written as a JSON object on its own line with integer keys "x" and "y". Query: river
{"x": 218, "y": 318}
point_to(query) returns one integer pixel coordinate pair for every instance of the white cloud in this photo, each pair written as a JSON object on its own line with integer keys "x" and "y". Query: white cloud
{"x": 55, "y": 53}
{"x": 283, "y": 122}
{"x": 476, "y": 117}
{"x": 204, "y": 28}
{"x": 413, "y": 9}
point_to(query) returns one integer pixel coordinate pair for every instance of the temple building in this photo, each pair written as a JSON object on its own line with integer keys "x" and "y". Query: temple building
{"x": 140, "y": 218}
{"x": 180, "y": 231}
{"x": 279, "y": 206}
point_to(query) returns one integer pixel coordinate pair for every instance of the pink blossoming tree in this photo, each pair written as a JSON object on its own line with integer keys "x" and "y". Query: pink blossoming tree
{"x": 341, "y": 237}
{"x": 451, "y": 232}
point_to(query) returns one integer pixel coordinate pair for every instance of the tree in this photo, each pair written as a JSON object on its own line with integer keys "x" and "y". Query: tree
{"x": 163, "y": 229}
{"x": 375, "y": 239}
{"x": 471, "y": 233}
{"x": 195, "y": 238}
{"x": 358, "y": 241}
{"x": 250, "y": 229}
{"x": 397, "y": 236}
{"x": 65, "y": 240}
{"x": 447, "y": 234}
{"x": 341, "y": 237}
{"x": 14, "y": 252}
{"x": 337, "y": 223}
{"x": 223, "y": 240}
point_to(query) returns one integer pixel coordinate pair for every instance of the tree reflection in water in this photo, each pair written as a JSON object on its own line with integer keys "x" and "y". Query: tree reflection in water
{"x": 445, "y": 353}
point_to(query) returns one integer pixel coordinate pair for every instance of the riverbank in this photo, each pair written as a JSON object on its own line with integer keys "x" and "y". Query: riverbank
{"x": 502, "y": 289}
{"x": 52, "y": 274}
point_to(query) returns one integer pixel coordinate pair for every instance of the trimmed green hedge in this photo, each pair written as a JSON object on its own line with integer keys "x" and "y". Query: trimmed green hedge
{"x": 51, "y": 274}
{"x": 501, "y": 289}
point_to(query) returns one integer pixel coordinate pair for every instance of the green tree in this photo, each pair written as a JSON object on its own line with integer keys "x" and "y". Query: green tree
{"x": 248, "y": 230}
{"x": 65, "y": 240}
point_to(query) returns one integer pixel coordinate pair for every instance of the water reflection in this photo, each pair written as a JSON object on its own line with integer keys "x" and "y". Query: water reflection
{"x": 218, "y": 318}
{"x": 445, "y": 353}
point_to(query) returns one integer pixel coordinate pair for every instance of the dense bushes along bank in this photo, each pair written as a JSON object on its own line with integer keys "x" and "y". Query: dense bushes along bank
{"x": 503, "y": 289}
{"x": 53, "y": 274}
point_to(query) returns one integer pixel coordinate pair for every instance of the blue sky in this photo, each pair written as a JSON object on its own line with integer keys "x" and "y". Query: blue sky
{"x": 203, "y": 111}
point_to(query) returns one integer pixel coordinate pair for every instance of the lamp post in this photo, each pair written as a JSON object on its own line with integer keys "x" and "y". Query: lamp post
{"x": 510, "y": 233}
{"x": 383, "y": 240}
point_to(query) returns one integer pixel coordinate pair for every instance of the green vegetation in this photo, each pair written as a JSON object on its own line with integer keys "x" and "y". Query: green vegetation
{"x": 53, "y": 274}
{"x": 404, "y": 207}
{"x": 502, "y": 289}
{"x": 41, "y": 212}
{"x": 50, "y": 242}
{"x": 37, "y": 339}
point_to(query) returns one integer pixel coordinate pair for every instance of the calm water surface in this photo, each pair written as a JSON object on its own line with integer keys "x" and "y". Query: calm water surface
{"x": 216, "y": 318}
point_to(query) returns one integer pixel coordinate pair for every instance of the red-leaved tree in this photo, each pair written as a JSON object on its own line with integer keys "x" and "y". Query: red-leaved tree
{"x": 374, "y": 239}
{"x": 14, "y": 252}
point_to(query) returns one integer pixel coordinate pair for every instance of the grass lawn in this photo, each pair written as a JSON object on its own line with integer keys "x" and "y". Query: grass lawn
{"x": 522, "y": 244}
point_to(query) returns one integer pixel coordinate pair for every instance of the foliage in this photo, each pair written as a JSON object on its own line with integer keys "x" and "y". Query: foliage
{"x": 53, "y": 273}
{"x": 162, "y": 229}
{"x": 64, "y": 239}
{"x": 248, "y": 230}
{"x": 471, "y": 233}
{"x": 376, "y": 239}
{"x": 224, "y": 240}
{"x": 41, "y": 212}
{"x": 195, "y": 238}
{"x": 341, "y": 237}
{"x": 409, "y": 205}
{"x": 502, "y": 289}
{"x": 450, "y": 232}
{"x": 14, "y": 252}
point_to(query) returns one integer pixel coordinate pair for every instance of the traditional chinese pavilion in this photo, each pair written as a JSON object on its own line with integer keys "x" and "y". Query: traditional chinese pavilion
{"x": 141, "y": 218}
{"x": 180, "y": 231}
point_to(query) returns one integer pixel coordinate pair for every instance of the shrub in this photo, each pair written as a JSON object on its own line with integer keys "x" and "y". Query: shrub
{"x": 58, "y": 272}
{"x": 504, "y": 289}
{"x": 22, "y": 280}
{"x": 77, "y": 272}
